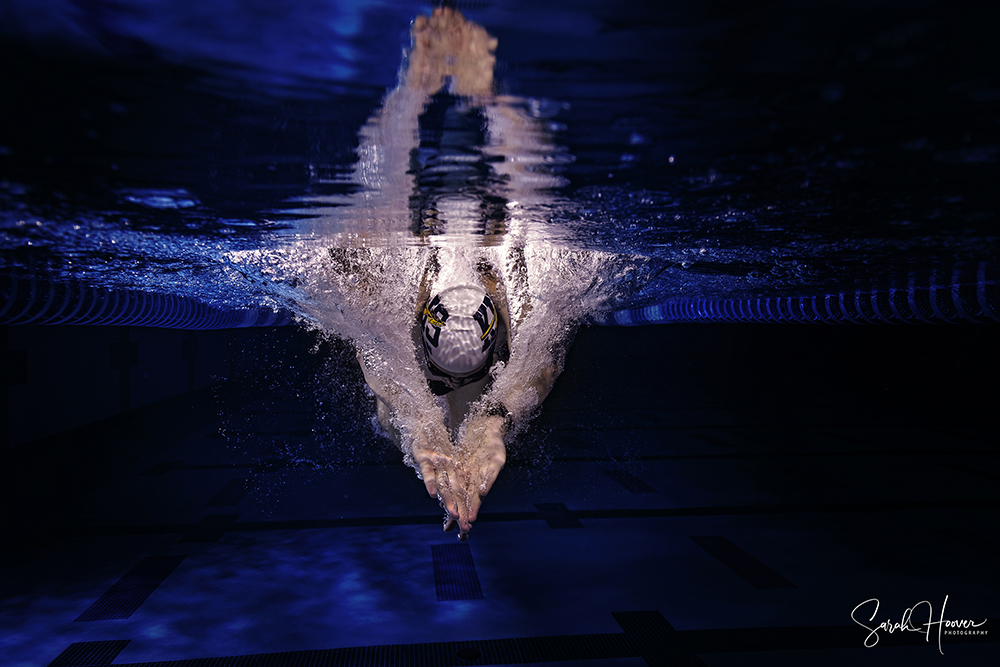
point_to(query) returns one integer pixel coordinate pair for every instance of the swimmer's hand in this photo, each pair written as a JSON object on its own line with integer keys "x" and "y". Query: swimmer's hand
{"x": 446, "y": 46}
{"x": 481, "y": 457}
{"x": 433, "y": 456}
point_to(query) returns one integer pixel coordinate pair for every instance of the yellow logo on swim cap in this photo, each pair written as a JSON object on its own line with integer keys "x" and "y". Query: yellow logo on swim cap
{"x": 430, "y": 318}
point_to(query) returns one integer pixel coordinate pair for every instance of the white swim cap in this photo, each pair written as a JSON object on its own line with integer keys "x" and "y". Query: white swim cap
{"x": 459, "y": 327}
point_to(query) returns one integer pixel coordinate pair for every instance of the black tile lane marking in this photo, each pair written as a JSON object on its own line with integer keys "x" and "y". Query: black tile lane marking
{"x": 556, "y": 514}
{"x": 455, "y": 575}
{"x": 739, "y": 561}
{"x": 129, "y": 592}
{"x": 90, "y": 654}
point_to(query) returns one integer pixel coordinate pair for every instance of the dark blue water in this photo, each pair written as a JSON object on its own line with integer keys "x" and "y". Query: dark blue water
{"x": 730, "y": 152}
{"x": 740, "y": 149}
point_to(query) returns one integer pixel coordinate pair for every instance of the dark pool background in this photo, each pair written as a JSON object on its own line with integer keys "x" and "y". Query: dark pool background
{"x": 805, "y": 147}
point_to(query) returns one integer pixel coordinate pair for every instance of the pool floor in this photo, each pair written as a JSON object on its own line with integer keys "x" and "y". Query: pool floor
{"x": 688, "y": 496}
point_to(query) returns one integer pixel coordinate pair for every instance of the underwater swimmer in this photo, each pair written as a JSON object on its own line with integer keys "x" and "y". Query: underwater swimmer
{"x": 464, "y": 332}
{"x": 470, "y": 358}
{"x": 458, "y": 327}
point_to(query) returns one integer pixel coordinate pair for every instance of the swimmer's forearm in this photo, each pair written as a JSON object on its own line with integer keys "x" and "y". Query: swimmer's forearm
{"x": 411, "y": 408}
{"x": 519, "y": 399}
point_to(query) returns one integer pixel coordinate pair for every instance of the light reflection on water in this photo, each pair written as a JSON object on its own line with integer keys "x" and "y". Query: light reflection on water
{"x": 727, "y": 172}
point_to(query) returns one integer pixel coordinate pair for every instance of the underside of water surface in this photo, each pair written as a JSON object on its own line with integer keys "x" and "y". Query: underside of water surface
{"x": 728, "y": 153}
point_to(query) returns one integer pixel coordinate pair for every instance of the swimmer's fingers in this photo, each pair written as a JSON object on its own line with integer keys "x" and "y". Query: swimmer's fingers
{"x": 447, "y": 484}
{"x": 448, "y": 500}
{"x": 430, "y": 477}
{"x": 462, "y": 498}
{"x": 431, "y": 466}
{"x": 491, "y": 469}
{"x": 488, "y": 473}
{"x": 449, "y": 526}
{"x": 464, "y": 523}
{"x": 464, "y": 507}
{"x": 474, "y": 502}
{"x": 439, "y": 476}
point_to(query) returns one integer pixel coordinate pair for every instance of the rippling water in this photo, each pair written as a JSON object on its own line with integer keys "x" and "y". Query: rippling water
{"x": 729, "y": 151}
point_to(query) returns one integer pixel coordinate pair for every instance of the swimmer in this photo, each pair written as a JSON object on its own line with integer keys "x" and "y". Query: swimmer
{"x": 460, "y": 311}
{"x": 461, "y": 320}
{"x": 464, "y": 330}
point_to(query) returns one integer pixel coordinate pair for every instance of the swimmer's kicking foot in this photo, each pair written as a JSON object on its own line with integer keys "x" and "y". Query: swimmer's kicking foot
{"x": 446, "y": 46}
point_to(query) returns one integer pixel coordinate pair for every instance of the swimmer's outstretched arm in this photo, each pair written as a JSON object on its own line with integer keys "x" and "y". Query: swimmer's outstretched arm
{"x": 517, "y": 391}
{"x": 482, "y": 457}
{"x": 445, "y": 50}
{"x": 482, "y": 454}
{"x": 424, "y": 438}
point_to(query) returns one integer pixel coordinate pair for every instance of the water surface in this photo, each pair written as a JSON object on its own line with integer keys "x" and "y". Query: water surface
{"x": 728, "y": 152}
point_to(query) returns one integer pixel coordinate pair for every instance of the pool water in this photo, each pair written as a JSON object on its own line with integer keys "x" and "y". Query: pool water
{"x": 693, "y": 493}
